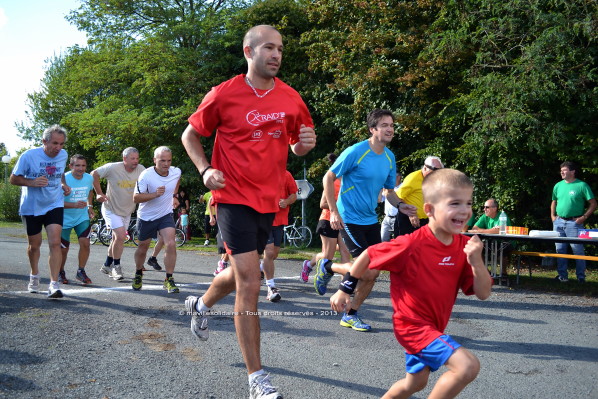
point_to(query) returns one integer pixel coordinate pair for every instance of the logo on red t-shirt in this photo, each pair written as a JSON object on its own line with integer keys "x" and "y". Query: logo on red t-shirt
{"x": 254, "y": 117}
{"x": 446, "y": 261}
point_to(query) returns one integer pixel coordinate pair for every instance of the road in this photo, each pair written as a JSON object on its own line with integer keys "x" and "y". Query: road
{"x": 107, "y": 341}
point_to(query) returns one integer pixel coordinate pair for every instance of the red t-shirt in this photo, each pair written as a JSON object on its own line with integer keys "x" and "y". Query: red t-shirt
{"x": 424, "y": 280}
{"x": 289, "y": 186}
{"x": 325, "y": 215}
{"x": 252, "y": 138}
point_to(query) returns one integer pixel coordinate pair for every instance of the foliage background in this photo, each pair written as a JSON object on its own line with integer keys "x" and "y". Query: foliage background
{"x": 504, "y": 91}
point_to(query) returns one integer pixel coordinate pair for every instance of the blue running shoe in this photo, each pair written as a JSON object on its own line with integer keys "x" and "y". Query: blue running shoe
{"x": 322, "y": 277}
{"x": 354, "y": 322}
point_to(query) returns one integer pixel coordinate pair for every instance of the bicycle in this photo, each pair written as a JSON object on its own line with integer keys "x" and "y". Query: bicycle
{"x": 94, "y": 234}
{"x": 298, "y": 236}
{"x": 105, "y": 233}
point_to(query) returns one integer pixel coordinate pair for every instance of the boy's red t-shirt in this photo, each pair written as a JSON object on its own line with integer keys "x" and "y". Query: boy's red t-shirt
{"x": 289, "y": 186}
{"x": 252, "y": 138}
{"x": 425, "y": 277}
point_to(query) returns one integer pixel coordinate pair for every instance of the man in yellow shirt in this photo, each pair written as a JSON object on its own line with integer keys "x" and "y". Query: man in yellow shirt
{"x": 410, "y": 192}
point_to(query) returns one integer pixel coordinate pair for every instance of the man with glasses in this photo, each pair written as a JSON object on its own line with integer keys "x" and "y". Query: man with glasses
{"x": 410, "y": 192}
{"x": 489, "y": 223}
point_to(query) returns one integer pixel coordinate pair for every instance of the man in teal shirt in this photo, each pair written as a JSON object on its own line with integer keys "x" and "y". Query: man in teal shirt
{"x": 568, "y": 214}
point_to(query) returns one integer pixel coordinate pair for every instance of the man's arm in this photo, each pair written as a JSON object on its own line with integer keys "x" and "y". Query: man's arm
{"x": 145, "y": 197}
{"x": 213, "y": 179}
{"x": 307, "y": 141}
{"x": 18, "y": 180}
{"x": 553, "y": 210}
{"x": 283, "y": 203}
{"x": 588, "y": 212}
{"x": 97, "y": 187}
{"x": 482, "y": 282}
{"x": 393, "y": 198}
{"x": 336, "y": 222}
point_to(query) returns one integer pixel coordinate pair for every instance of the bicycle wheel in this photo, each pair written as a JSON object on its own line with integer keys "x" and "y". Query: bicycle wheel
{"x": 133, "y": 235}
{"x": 105, "y": 235}
{"x": 180, "y": 237}
{"x": 94, "y": 234}
{"x": 303, "y": 237}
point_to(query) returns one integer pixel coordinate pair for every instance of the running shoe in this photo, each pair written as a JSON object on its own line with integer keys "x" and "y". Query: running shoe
{"x": 33, "y": 285}
{"x": 354, "y": 322}
{"x": 82, "y": 276}
{"x": 562, "y": 279}
{"x": 206, "y": 243}
{"x": 106, "y": 269}
{"x": 137, "y": 282}
{"x": 153, "y": 262}
{"x": 117, "y": 272}
{"x": 54, "y": 291}
{"x": 199, "y": 320}
{"x": 273, "y": 294}
{"x": 62, "y": 277}
{"x": 261, "y": 388}
{"x": 322, "y": 277}
{"x": 305, "y": 271}
{"x": 170, "y": 286}
{"x": 221, "y": 266}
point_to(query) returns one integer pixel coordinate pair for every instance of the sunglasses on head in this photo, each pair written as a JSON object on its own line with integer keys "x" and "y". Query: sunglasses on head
{"x": 431, "y": 167}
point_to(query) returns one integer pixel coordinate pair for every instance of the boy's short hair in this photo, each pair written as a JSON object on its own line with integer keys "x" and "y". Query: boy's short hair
{"x": 433, "y": 183}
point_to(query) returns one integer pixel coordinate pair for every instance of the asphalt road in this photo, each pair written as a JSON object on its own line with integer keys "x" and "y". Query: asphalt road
{"x": 107, "y": 341}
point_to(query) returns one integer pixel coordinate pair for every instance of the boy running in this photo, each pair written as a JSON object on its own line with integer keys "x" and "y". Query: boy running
{"x": 427, "y": 268}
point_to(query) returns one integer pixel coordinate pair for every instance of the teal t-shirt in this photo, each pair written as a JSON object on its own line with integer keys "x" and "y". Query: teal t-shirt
{"x": 79, "y": 192}
{"x": 571, "y": 198}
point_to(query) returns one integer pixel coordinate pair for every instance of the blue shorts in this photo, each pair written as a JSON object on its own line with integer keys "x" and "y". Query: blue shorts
{"x": 149, "y": 228}
{"x": 82, "y": 230}
{"x": 434, "y": 355}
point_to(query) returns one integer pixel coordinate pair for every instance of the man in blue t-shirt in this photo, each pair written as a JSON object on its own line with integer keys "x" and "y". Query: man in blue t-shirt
{"x": 40, "y": 173}
{"x": 78, "y": 210}
{"x": 365, "y": 168}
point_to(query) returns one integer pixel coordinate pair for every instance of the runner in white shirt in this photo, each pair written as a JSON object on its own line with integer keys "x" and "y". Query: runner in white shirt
{"x": 154, "y": 192}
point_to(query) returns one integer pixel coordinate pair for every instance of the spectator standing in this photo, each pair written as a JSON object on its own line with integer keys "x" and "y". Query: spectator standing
{"x": 427, "y": 269}
{"x": 117, "y": 204}
{"x": 40, "y": 172}
{"x": 154, "y": 193}
{"x": 78, "y": 211}
{"x": 411, "y": 193}
{"x": 255, "y": 116}
{"x": 568, "y": 214}
{"x": 208, "y": 215}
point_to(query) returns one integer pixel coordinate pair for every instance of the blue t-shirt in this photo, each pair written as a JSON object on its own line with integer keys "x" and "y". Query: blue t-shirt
{"x": 79, "y": 192}
{"x": 363, "y": 174}
{"x": 36, "y": 201}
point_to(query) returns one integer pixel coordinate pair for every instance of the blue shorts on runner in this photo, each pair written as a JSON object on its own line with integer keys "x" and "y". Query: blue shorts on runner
{"x": 149, "y": 228}
{"x": 82, "y": 230}
{"x": 433, "y": 356}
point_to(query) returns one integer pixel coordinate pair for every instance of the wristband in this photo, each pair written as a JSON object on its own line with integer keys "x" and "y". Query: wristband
{"x": 348, "y": 284}
{"x": 205, "y": 170}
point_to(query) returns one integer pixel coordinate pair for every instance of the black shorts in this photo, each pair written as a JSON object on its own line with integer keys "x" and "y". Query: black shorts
{"x": 243, "y": 229}
{"x": 34, "y": 224}
{"x": 208, "y": 227}
{"x": 276, "y": 236}
{"x": 149, "y": 228}
{"x": 358, "y": 238}
{"x": 220, "y": 243}
{"x": 324, "y": 229}
{"x": 403, "y": 224}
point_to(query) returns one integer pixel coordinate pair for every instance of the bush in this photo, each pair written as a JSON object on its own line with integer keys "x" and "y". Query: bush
{"x": 9, "y": 202}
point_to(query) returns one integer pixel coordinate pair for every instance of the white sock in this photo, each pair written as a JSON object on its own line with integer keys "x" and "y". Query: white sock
{"x": 201, "y": 307}
{"x": 34, "y": 275}
{"x": 261, "y": 266}
{"x": 253, "y": 376}
{"x": 271, "y": 283}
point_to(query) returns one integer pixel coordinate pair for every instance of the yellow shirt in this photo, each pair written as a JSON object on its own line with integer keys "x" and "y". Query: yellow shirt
{"x": 411, "y": 192}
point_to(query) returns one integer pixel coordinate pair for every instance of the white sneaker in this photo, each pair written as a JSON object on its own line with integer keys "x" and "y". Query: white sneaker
{"x": 273, "y": 294}
{"x": 105, "y": 269}
{"x": 206, "y": 243}
{"x": 54, "y": 290}
{"x": 199, "y": 320}
{"x": 261, "y": 388}
{"x": 33, "y": 285}
{"x": 117, "y": 273}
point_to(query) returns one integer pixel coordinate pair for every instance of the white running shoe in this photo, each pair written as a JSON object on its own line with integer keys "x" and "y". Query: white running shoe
{"x": 206, "y": 243}
{"x": 105, "y": 269}
{"x": 199, "y": 320}
{"x": 33, "y": 285}
{"x": 273, "y": 294}
{"x": 117, "y": 273}
{"x": 261, "y": 388}
{"x": 54, "y": 290}
{"x": 221, "y": 266}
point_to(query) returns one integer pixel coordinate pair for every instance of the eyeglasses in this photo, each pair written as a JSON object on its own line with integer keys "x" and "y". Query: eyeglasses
{"x": 431, "y": 167}
{"x": 488, "y": 207}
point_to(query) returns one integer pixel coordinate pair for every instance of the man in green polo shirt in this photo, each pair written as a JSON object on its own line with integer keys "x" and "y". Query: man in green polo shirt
{"x": 568, "y": 214}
